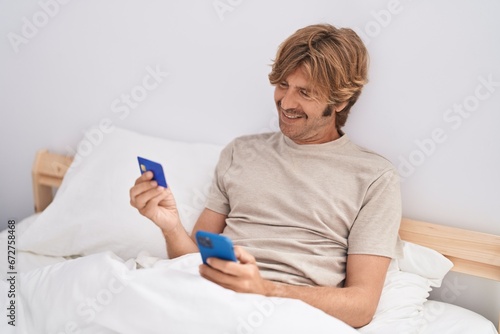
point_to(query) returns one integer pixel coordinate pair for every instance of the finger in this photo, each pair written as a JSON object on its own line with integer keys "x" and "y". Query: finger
{"x": 227, "y": 267}
{"x": 216, "y": 276}
{"x": 140, "y": 189}
{"x": 243, "y": 256}
{"x": 150, "y": 208}
{"x": 146, "y": 176}
{"x": 153, "y": 195}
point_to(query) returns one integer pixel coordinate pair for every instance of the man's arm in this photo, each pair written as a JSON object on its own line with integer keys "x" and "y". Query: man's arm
{"x": 208, "y": 220}
{"x": 158, "y": 204}
{"x": 355, "y": 303}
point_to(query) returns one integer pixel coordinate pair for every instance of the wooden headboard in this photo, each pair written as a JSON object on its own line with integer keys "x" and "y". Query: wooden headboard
{"x": 48, "y": 172}
{"x": 472, "y": 253}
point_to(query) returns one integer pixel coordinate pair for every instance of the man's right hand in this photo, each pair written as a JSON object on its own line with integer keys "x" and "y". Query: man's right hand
{"x": 155, "y": 202}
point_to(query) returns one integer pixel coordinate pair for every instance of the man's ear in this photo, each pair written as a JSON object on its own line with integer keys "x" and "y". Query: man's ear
{"x": 340, "y": 107}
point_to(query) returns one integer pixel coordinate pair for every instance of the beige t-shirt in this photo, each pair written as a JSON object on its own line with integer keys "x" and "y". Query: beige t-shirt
{"x": 300, "y": 209}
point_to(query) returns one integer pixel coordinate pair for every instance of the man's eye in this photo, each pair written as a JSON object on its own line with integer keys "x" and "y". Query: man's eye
{"x": 305, "y": 94}
{"x": 283, "y": 85}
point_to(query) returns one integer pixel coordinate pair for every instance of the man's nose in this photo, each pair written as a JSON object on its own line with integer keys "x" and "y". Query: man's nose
{"x": 289, "y": 100}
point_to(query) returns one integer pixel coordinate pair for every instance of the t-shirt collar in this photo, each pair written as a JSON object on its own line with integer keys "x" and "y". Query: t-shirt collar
{"x": 324, "y": 146}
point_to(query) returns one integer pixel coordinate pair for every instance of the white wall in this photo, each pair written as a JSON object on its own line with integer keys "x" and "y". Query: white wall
{"x": 73, "y": 68}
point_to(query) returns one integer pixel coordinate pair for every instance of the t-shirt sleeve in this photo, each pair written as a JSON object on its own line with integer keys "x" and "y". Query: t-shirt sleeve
{"x": 217, "y": 199}
{"x": 376, "y": 228}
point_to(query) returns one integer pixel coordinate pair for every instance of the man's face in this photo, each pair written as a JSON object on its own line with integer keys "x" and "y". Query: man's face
{"x": 303, "y": 117}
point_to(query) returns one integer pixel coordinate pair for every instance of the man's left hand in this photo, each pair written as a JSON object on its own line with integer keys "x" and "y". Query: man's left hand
{"x": 242, "y": 276}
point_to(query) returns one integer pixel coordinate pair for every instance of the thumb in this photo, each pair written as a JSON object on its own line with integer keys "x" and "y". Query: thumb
{"x": 243, "y": 256}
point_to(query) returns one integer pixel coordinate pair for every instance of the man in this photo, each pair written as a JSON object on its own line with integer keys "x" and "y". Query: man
{"x": 312, "y": 215}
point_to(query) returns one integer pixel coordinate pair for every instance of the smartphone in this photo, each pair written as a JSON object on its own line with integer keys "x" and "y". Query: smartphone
{"x": 215, "y": 245}
{"x": 156, "y": 168}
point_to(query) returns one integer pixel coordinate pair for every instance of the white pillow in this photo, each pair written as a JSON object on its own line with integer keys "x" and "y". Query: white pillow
{"x": 425, "y": 262}
{"x": 406, "y": 289}
{"x": 91, "y": 211}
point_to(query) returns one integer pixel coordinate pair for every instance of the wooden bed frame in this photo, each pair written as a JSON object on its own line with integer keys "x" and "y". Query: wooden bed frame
{"x": 472, "y": 253}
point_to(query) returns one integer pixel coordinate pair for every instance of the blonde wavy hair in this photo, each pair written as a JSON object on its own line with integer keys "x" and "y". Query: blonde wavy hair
{"x": 335, "y": 58}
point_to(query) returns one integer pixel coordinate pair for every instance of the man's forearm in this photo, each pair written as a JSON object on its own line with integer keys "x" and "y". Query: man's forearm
{"x": 350, "y": 304}
{"x": 355, "y": 303}
{"x": 179, "y": 242}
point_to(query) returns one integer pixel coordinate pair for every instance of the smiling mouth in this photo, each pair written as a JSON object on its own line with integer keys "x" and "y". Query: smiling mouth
{"x": 291, "y": 114}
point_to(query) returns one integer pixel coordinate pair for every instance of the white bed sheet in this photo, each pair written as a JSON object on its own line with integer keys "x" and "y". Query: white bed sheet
{"x": 101, "y": 293}
{"x": 444, "y": 318}
{"x": 437, "y": 317}
{"x": 25, "y": 261}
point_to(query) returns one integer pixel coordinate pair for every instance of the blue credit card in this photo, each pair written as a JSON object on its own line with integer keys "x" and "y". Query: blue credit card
{"x": 158, "y": 175}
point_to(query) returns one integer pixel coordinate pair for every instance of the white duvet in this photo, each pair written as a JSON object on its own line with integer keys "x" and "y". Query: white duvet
{"x": 103, "y": 294}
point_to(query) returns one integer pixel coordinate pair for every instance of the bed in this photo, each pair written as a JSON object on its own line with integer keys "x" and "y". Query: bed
{"x": 87, "y": 262}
